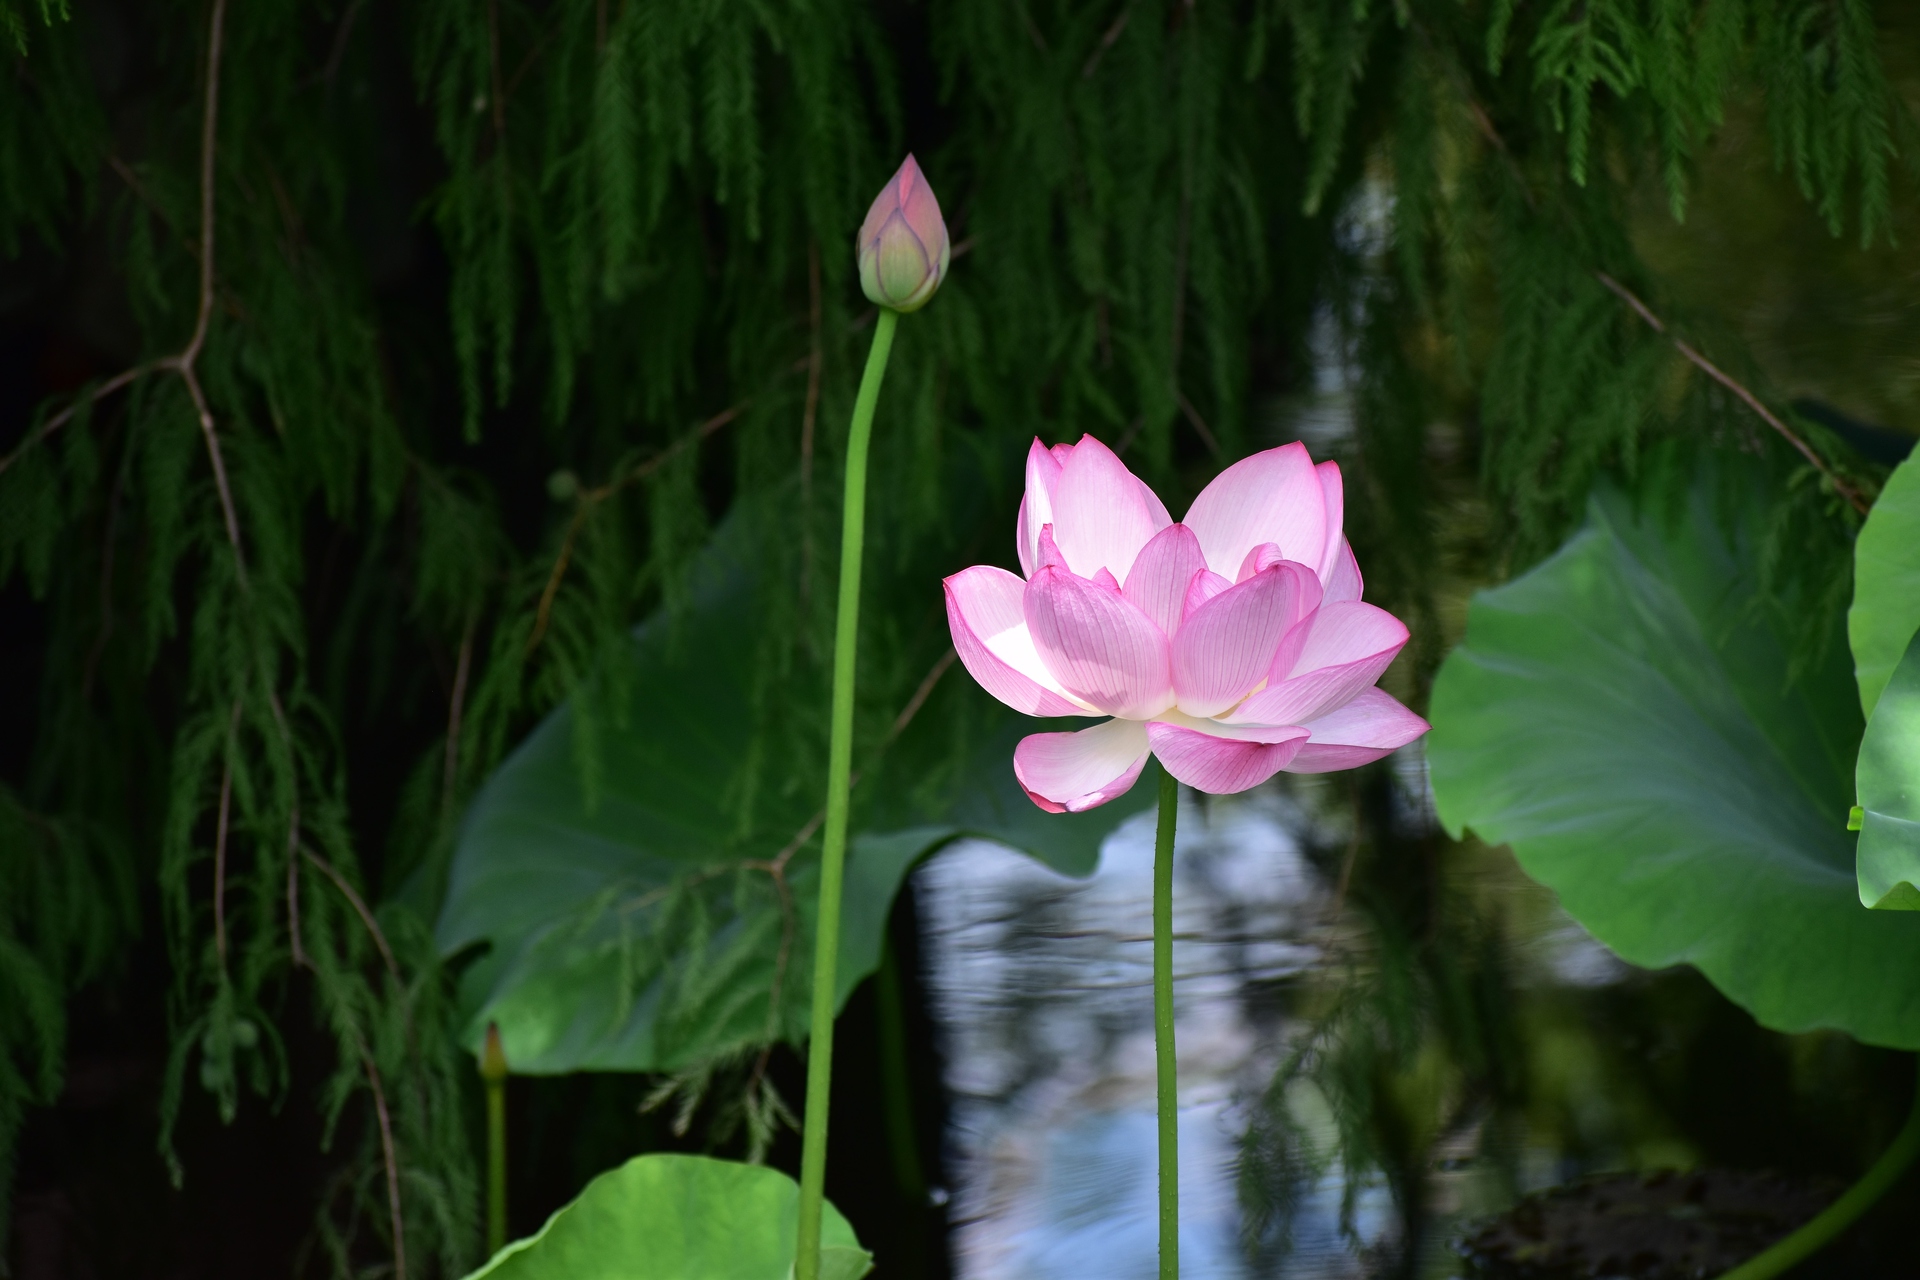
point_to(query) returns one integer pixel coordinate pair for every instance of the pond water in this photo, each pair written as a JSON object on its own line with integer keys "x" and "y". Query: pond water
{"x": 1041, "y": 987}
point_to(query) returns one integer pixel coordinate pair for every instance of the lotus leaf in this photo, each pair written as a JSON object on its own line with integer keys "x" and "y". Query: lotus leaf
{"x": 1622, "y": 716}
{"x": 675, "y": 1217}
{"x": 629, "y": 916}
{"x": 1886, "y": 582}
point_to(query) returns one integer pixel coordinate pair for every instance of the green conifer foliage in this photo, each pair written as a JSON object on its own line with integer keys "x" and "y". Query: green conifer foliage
{"x": 312, "y": 512}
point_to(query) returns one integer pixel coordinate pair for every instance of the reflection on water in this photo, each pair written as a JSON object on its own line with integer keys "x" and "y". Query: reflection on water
{"x": 1041, "y": 986}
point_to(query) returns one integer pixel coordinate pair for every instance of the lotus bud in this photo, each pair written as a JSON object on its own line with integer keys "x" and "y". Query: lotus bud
{"x": 493, "y": 1058}
{"x": 903, "y": 248}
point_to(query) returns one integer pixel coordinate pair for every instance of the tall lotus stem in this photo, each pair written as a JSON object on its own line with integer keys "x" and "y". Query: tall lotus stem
{"x": 1816, "y": 1233}
{"x": 493, "y": 1070}
{"x": 1166, "y": 1081}
{"x": 833, "y": 859}
{"x": 902, "y": 255}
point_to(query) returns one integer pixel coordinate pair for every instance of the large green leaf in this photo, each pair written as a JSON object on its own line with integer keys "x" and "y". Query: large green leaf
{"x": 1886, "y": 582}
{"x": 631, "y": 923}
{"x": 1622, "y": 716}
{"x": 675, "y": 1217}
{"x": 1888, "y": 778}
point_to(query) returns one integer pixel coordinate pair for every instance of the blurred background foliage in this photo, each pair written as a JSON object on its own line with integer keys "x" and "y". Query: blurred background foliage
{"x": 371, "y": 369}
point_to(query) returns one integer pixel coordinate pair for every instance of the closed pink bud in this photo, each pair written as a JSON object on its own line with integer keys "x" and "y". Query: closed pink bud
{"x": 902, "y": 249}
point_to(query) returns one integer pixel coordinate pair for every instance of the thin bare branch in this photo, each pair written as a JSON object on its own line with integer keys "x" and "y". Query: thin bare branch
{"x": 787, "y": 930}
{"x": 60, "y": 419}
{"x": 776, "y": 867}
{"x": 1106, "y": 42}
{"x": 214, "y": 456}
{"x": 392, "y": 1159}
{"x": 183, "y": 364}
{"x": 1746, "y": 397}
{"x": 185, "y": 361}
{"x": 338, "y": 52}
{"x": 456, "y": 705}
{"x": 593, "y": 497}
{"x": 526, "y": 63}
{"x": 1200, "y": 427}
{"x": 298, "y": 947}
{"x": 920, "y": 695}
{"x": 554, "y": 578}
{"x": 800, "y": 837}
{"x": 145, "y": 197}
{"x": 899, "y": 726}
{"x": 359, "y": 905}
{"x": 1033, "y": 31}
{"x": 209, "y": 129}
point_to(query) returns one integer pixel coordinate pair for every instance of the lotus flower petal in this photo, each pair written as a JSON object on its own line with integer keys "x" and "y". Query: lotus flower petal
{"x": 1348, "y": 632}
{"x": 1225, "y": 647}
{"x": 1333, "y": 495}
{"x": 1306, "y": 604}
{"x": 1264, "y": 556}
{"x": 1069, "y": 772}
{"x": 1222, "y": 759}
{"x": 921, "y": 210}
{"x": 900, "y": 264}
{"x": 1275, "y": 667}
{"x": 1273, "y": 496}
{"x": 1340, "y": 650}
{"x": 1267, "y": 555}
{"x": 1204, "y": 586}
{"x": 1362, "y": 731}
{"x": 1098, "y": 646}
{"x": 1101, "y": 517}
{"x": 1344, "y": 582}
{"x": 989, "y": 626}
{"x": 1157, "y": 583}
{"x": 1036, "y": 507}
{"x": 1049, "y": 553}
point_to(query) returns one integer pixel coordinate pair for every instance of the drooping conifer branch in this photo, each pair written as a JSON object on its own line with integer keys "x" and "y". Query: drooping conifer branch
{"x": 456, "y": 707}
{"x": 360, "y": 909}
{"x": 392, "y": 1158}
{"x": 1745, "y": 396}
{"x": 588, "y": 500}
{"x": 220, "y": 839}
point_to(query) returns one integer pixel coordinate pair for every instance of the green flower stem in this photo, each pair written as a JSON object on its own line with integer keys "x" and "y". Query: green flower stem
{"x": 1165, "y": 1071}
{"x": 493, "y": 1074}
{"x": 496, "y": 1165}
{"x": 1838, "y": 1216}
{"x": 833, "y": 858}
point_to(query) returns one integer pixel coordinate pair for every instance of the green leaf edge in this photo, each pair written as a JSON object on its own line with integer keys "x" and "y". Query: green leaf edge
{"x": 1902, "y": 1031}
{"x": 835, "y": 1224}
{"x": 1887, "y": 775}
{"x": 1885, "y": 613}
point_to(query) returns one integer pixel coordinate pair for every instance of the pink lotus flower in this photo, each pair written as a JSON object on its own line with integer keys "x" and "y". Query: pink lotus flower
{"x": 902, "y": 249}
{"x": 1231, "y": 645}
